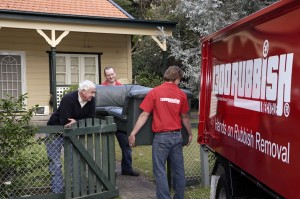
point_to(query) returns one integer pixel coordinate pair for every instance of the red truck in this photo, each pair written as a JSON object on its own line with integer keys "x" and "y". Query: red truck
{"x": 250, "y": 104}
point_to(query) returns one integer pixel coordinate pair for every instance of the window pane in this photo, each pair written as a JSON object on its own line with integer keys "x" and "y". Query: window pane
{"x": 90, "y": 77}
{"x": 74, "y": 60}
{"x": 61, "y": 64}
{"x": 75, "y": 69}
{"x": 19, "y": 74}
{"x": 8, "y": 77}
{"x": 75, "y": 79}
{"x": 4, "y": 68}
{"x": 90, "y": 69}
{"x": 16, "y": 85}
{"x": 60, "y": 60}
{"x": 61, "y": 79}
{"x": 14, "y": 93}
{"x": 13, "y": 68}
{"x": 4, "y": 77}
{"x": 17, "y": 59}
{"x": 14, "y": 76}
{"x": 90, "y": 65}
{"x": 89, "y": 61}
{"x": 4, "y": 86}
{"x": 61, "y": 68}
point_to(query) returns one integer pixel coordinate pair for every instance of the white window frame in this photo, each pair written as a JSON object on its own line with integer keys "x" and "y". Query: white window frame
{"x": 23, "y": 68}
{"x": 81, "y": 66}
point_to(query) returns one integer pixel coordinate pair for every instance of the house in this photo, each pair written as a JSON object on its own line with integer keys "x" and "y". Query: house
{"x": 46, "y": 46}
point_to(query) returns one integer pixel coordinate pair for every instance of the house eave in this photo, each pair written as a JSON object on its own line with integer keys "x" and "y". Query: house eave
{"x": 35, "y": 19}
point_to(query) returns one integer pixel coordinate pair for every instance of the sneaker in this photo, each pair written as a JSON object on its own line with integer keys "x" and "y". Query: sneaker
{"x": 131, "y": 173}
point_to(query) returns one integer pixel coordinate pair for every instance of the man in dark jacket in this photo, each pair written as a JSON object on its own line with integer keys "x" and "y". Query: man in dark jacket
{"x": 74, "y": 106}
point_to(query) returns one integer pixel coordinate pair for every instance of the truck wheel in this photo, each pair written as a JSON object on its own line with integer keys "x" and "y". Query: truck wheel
{"x": 222, "y": 191}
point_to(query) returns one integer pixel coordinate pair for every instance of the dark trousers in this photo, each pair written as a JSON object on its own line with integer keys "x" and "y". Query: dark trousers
{"x": 54, "y": 145}
{"x": 126, "y": 163}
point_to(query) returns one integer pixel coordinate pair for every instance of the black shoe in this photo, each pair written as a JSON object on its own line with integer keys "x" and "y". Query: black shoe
{"x": 130, "y": 173}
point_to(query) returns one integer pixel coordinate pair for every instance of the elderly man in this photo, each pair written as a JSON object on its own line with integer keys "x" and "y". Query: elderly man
{"x": 74, "y": 106}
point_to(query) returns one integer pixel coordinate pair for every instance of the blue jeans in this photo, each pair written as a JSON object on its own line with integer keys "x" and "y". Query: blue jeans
{"x": 168, "y": 145}
{"x": 126, "y": 163}
{"x": 54, "y": 145}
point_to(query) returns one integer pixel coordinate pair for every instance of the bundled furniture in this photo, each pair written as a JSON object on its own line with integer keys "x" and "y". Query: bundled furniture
{"x": 123, "y": 103}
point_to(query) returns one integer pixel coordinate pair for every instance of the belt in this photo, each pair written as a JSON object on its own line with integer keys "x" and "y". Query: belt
{"x": 172, "y": 131}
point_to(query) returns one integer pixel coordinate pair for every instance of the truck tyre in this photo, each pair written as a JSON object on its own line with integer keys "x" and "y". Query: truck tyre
{"x": 222, "y": 191}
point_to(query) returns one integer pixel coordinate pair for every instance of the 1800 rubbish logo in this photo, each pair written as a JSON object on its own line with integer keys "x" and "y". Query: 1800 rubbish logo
{"x": 261, "y": 84}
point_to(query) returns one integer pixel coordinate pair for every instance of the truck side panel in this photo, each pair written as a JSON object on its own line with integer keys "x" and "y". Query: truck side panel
{"x": 249, "y": 98}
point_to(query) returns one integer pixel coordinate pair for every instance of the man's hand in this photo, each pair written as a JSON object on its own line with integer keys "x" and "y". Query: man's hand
{"x": 138, "y": 125}
{"x": 72, "y": 121}
{"x": 131, "y": 140}
{"x": 190, "y": 139}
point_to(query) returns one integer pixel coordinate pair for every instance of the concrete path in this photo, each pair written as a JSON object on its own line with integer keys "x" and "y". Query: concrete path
{"x": 134, "y": 187}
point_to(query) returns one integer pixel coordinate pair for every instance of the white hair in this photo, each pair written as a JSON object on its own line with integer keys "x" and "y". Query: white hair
{"x": 86, "y": 85}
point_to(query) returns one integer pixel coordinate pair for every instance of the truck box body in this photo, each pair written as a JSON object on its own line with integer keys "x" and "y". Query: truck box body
{"x": 250, "y": 96}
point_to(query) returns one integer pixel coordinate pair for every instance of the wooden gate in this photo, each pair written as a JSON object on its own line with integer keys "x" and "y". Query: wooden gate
{"x": 89, "y": 160}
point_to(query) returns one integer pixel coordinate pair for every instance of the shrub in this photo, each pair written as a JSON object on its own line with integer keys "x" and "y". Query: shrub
{"x": 148, "y": 79}
{"x": 15, "y": 132}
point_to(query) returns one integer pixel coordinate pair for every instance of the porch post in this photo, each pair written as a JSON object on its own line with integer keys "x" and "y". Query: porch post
{"x": 53, "y": 77}
{"x": 53, "y": 42}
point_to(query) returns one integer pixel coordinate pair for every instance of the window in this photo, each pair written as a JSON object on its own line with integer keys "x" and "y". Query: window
{"x": 74, "y": 68}
{"x": 11, "y": 74}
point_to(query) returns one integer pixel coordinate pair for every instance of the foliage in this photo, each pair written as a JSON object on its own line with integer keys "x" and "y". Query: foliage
{"x": 195, "y": 20}
{"x": 143, "y": 9}
{"x": 202, "y": 18}
{"x": 15, "y": 131}
{"x": 148, "y": 57}
{"x": 148, "y": 63}
{"x": 148, "y": 79}
{"x": 73, "y": 87}
{"x": 207, "y": 16}
{"x": 129, "y": 6}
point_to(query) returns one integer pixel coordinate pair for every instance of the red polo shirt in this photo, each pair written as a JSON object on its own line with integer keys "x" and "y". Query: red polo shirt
{"x": 106, "y": 83}
{"x": 167, "y": 102}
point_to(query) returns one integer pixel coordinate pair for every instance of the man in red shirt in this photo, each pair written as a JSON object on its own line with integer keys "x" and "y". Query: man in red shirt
{"x": 110, "y": 77}
{"x": 170, "y": 109}
{"x": 126, "y": 163}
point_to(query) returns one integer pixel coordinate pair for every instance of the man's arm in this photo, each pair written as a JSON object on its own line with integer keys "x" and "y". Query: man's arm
{"x": 187, "y": 124}
{"x": 138, "y": 125}
{"x": 66, "y": 109}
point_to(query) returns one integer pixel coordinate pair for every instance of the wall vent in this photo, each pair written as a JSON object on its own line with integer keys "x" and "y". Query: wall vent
{"x": 42, "y": 110}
